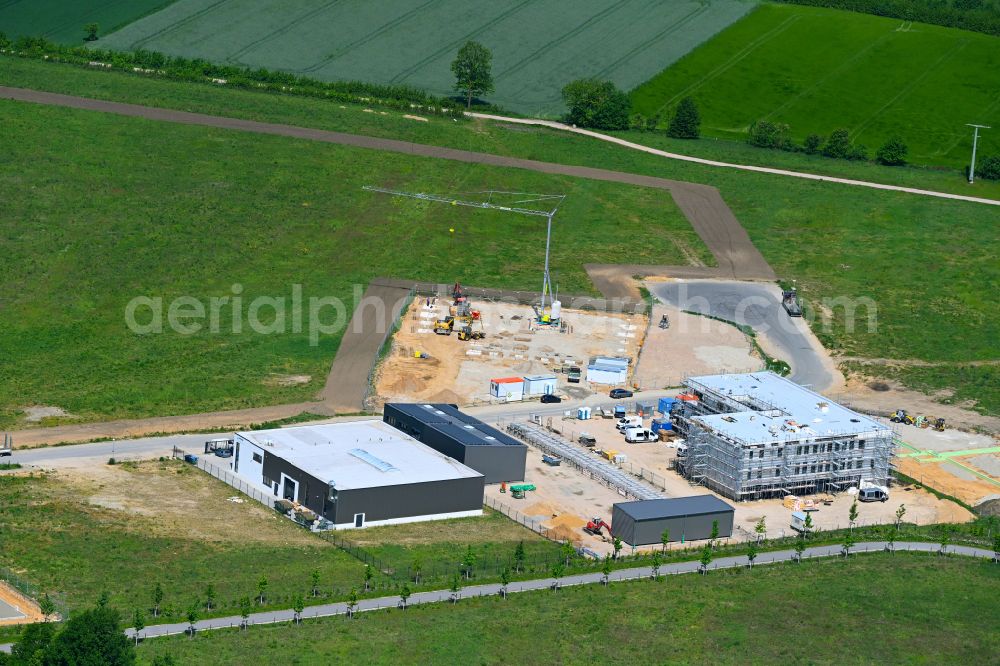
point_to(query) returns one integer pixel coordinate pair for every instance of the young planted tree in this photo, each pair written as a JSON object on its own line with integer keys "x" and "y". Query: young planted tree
{"x": 404, "y": 595}
{"x": 468, "y": 562}
{"x": 192, "y": 618}
{"x": 369, "y": 574}
{"x": 504, "y": 581}
{"x": 686, "y": 123}
{"x": 519, "y": 556}
{"x": 596, "y": 104}
{"x": 848, "y": 543}
{"x": 706, "y": 558}
{"x": 473, "y": 70}
{"x": 808, "y": 524}
{"x": 417, "y": 568}
{"x": 209, "y": 596}
{"x": 47, "y": 607}
{"x": 657, "y": 562}
{"x": 890, "y": 540}
{"x": 558, "y": 569}
{"x": 852, "y": 514}
{"x": 606, "y": 570}
{"x": 91, "y": 30}
{"x": 892, "y": 152}
{"x": 298, "y": 605}
{"x": 751, "y": 553}
{"x": 456, "y": 588}
{"x": 664, "y": 540}
{"x": 617, "y": 545}
{"x": 760, "y": 529}
{"x": 352, "y": 602}
{"x": 900, "y": 512}
{"x": 157, "y": 599}
{"x": 138, "y": 623}
{"x": 245, "y": 607}
{"x": 945, "y": 540}
{"x": 996, "y": 547}
{"x": 714, "y": 535}
{"x": 800, "y": 547}
{"x": 314, "y": 579}
{"x": 567, "y": 551}
{"x": 261, "y": 589}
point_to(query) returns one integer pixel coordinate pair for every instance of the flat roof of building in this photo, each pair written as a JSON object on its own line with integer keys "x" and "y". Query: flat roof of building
{"x": 674, "y": 507}
{"x": 508, "y": 380}
{"x": 359, "y": 454}
{"x": 463, "y": 427}
{"x": 777, "y": 410}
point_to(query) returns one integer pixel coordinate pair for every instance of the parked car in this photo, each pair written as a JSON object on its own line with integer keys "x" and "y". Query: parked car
{"x": 629, "y": 422}
{"x": 587, "y": 440}
{"x": 635, "y": 435}
{"x": 549, "y": 398}
{"x": 619, "y": 393}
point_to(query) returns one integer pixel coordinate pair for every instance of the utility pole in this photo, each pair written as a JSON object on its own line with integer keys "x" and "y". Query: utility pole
{"x": 509, "y": 207}
{"x": 975, "y": 140}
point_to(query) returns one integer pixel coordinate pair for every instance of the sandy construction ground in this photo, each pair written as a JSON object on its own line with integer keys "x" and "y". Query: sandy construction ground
{"x": 15, "y": 608}
{"x": 692, "y": 345}
{"x": 460, "y": 372}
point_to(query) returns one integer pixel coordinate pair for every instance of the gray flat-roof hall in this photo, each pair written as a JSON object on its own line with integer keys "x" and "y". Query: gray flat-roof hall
{"x": 758, "y": 435}
{"x": 496, "y": 455}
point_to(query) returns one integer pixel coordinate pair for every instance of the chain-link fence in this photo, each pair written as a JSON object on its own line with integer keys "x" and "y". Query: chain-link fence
{"x": 229, "y": 478}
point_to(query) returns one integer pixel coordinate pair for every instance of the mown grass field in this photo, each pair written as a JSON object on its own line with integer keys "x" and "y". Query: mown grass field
{"x": 63, "y": 20}
{"x": 101, "y": 209}
{"x": 538, "y": 45}
{"x": 909, "y": 609}
{"x": 122, "y": 529}
{"x": 818, "y": 69}
{"x": 929, "y": 264}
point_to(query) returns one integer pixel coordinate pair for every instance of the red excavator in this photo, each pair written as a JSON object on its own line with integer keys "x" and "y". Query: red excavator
{"x": 594, "y": 527}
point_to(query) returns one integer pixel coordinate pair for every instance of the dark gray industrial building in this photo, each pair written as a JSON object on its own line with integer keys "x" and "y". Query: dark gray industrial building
{"x": 358, "y": 474}
{"x": 495, "y": 455}
{"x": 688, "y": 519}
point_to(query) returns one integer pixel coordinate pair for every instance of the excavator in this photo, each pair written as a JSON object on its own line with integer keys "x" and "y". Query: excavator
{"x": 595, "y": 526}
{"x": 900, "y": 416}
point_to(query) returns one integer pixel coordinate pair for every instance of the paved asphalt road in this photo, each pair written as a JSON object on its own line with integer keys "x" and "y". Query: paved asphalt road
{"x": 757, "y": 305}
{"x": 493, "y": 589}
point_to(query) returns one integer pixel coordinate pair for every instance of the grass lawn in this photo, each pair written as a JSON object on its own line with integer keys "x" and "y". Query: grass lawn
{"x": 123, "y": 528}
{"x": 63, "y": 20}
{"x": 928, "y": 264}
{"x": 537, "y": 46}
{"x": 100, "y": 209}
{"x": 910, "y": 608}
{"x": 819, "y": 69}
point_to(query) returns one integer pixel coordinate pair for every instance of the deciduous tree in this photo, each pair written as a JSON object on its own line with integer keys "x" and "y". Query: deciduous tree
{"x": 473, "y": 70}
{"x": 596, "y": 104}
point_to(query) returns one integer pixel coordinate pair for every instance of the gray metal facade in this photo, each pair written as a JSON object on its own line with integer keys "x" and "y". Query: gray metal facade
{"x": 376, "y": 503}
{"x": 496, "y": 455}
{"x": 642, "y": 523}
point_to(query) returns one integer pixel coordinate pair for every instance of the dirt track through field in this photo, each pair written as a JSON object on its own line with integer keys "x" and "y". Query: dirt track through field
{"x": 347, "y": 383}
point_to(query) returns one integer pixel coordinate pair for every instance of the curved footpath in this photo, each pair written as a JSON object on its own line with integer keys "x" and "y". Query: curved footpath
{"x": 728, "y": 165}
{"x": 493, "y": 589}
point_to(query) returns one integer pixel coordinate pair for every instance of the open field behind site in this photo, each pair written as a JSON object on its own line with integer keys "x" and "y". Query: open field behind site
{"x": 925, "y": 609}
{"x": 78, "y": 532}
{"x": 927, "y": 263}
{"x": 63, "y": 20}
{"x": 102, "y": 209}
{"x": 537, "y": 46}
{"x": 819, "y": 69}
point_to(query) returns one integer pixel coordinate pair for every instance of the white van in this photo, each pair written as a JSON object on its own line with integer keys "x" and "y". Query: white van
{"x": 872, "y": 494}
{"x": 636, "y": 435}
{"x": 629, "y": 422}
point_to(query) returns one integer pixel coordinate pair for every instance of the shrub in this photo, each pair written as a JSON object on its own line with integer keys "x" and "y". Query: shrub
{"x": 892, "y": 152}
{"x": 989, "y": 168}
{"x": 596, "y": 104}
{"x": 686, "y": 123}
{"x": 838, "y": 145}
{"x": 812, "y": 144}
{"x": 766, "y": 134}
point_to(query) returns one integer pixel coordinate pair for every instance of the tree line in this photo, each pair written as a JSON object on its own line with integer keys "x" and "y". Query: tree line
{"x": 975, "y": 15}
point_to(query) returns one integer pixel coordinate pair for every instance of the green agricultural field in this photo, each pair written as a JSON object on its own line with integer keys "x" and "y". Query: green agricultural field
{"x": 910, "y": 609}
{"x": 126, "y": 527}
{"x": 538, "y": 45}
{"x": 63, "y": 20}
{"x": 818, "y": 70}
{"x": 100, "y": 210}
{"x": 928, "y": 263}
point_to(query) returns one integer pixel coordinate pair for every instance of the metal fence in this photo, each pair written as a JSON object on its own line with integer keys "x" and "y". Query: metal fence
{"x": 231, "y": 479}
{"x": 517, "y": 516}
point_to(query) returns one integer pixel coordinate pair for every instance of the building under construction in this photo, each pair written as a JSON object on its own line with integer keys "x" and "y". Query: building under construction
{"x": 757, "y": 435}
